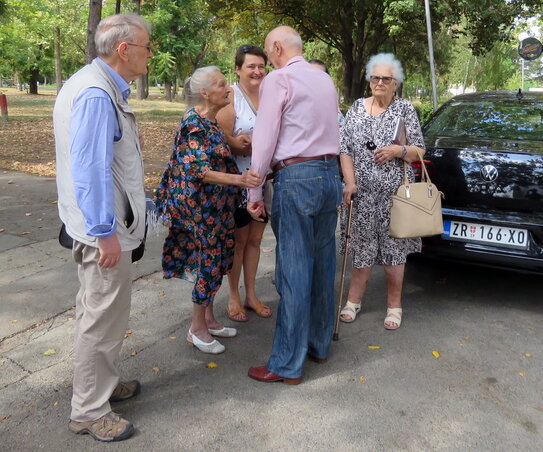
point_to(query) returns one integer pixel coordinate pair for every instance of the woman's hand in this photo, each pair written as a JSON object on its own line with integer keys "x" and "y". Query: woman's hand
{"x": 387, "y": 153}
{"x": 348, "y": 192}
{"x": 257, "y": 210}
{"x": 250, "y": 179}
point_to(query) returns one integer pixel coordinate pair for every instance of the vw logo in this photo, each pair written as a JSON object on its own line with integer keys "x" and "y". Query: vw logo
{"x": 489, "y": 173}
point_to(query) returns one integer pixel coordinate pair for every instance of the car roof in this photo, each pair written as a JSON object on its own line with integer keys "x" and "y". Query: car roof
{"x": 529, "y": 96}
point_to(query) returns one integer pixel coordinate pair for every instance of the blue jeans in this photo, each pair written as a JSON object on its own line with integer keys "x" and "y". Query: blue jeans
{"x": 304, "y": 216}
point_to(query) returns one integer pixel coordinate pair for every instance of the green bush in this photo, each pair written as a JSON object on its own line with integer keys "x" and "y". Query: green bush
{"x": 424, "y": 110}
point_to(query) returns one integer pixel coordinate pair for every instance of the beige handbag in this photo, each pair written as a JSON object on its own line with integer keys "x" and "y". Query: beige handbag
{"x": 416, "y": 208}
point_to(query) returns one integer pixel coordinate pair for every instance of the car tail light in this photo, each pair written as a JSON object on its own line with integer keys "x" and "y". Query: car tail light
{"x": 417, "y": 168}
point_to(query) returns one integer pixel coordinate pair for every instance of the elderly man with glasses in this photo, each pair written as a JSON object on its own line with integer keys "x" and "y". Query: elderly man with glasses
{"x": 101, "y": 201}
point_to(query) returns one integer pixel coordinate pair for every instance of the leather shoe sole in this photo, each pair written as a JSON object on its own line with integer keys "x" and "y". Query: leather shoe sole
{"x": 263, "y": 374}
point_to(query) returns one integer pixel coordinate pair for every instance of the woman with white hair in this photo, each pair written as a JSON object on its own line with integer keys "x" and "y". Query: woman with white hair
{"x": 196, "y": 199}
{"x": 373, "y": 169}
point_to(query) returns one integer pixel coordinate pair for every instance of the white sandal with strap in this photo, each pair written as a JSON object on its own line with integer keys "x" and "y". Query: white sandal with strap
{"x": 350, "y": 309}
{"x": 394, "y": 315}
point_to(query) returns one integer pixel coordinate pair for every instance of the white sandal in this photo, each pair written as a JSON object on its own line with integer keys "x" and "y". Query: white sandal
{"x": 394, "y": 315}
{"x": 351, "y": 310}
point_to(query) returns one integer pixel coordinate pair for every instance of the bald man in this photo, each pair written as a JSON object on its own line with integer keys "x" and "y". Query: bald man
{"x": 297, "y": 135}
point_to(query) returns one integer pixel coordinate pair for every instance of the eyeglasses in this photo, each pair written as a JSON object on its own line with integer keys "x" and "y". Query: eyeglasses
{"x": 138, "y": 45}
{"x": 386, "y": 80}
{"x": 245, "y": 48}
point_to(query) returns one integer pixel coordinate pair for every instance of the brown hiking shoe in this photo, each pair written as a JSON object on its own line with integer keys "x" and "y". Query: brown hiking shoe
{"x": 125, "y": 390}
{"x": 110, "y": 427}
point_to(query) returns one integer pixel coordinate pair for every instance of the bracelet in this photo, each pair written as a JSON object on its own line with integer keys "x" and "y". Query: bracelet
{"x": 404, "y": 152}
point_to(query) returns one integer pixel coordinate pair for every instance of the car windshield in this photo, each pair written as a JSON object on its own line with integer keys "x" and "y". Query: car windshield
{"x": 509, "y": 120}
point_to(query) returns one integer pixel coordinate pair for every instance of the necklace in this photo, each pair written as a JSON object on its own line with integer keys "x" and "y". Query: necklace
{"x": 370, "y": 144}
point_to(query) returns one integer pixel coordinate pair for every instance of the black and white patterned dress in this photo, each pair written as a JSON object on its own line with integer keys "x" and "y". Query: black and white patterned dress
{"x": 370, "y": 243}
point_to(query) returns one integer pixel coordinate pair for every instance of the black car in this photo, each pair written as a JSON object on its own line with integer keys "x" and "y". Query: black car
{"x": 485, "y": 153}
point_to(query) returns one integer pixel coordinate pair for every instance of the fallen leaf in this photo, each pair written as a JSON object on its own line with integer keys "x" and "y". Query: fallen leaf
{"x": 128, "y": 333}
{"x": 10, "y": 181}
{"x": 2, "y": 361}
{"x": 50, "y": 352}
{"x": 173, "y": 337}
{"x": 133, "y": 353}
{"x": 374, "y": 347}
{"x": 161, "y": 293}
{"x": 2, "y": 230}
{"x": 528, "y": 355}
{"x": 362, "y": 379}
{"x": 54, "y": 202}
{"x": 436, "y": 354}
{"x": 14, "y": 321}
{"x": 70, "y": 318}
{"x": 466, "y": 338}
{"x": 522, "y": 374}
{"x": 211, "y": 365}
{"x": 28, "y": 214}
{"x": 3, "y": 418}
{"x": 461, "y": 345}
{"x": 24, "y": 233}
{"x": 55, "y": 404}
{"x": 156, "y": 370}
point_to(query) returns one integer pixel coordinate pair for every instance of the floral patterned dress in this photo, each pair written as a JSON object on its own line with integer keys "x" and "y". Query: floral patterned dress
{"x": 200, "y": 244}
{"x": 370, "y": 242}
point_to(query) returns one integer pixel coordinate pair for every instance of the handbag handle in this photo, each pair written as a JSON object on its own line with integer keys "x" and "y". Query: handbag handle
{"x": 424, "y": 176}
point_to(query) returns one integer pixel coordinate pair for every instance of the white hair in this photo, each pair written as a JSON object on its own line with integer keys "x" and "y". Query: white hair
{"x": 200, "y": 79}
{"x": 385, "y": 59}
{"x": 114, "y": 29}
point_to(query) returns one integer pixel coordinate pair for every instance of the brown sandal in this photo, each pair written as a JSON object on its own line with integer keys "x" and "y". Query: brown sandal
{"x": 259, "y": 309}
{"x": 232, "y": 313}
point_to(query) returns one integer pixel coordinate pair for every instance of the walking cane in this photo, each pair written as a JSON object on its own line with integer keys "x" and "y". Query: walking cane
{"x": 343, "y": 269}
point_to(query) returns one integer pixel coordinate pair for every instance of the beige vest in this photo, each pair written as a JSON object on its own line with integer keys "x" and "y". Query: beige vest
{"x": 127, "y": 166}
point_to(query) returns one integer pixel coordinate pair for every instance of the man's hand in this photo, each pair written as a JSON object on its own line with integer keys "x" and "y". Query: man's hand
{"x": 257, "y": 210}
{"x": 348, "y": 192}
{"x": 141, "y": 140}
{"x": 110, "y": 251}
{"x": 250, "y": 179}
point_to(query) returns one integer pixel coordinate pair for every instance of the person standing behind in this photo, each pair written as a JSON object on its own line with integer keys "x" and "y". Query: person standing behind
{"x": 237, "y": 120}
{"x": 101, "y": 201}
{"x": 298, "y": 134}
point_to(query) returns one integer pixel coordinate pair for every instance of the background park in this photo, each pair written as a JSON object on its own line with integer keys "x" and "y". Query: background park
{"x": 43, "y": 42}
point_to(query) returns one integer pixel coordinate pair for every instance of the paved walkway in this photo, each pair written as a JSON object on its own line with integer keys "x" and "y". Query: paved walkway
{"x": 379, "y": 391}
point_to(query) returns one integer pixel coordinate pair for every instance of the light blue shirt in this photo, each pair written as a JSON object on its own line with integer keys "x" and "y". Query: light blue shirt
{"x": 93, "y": 130}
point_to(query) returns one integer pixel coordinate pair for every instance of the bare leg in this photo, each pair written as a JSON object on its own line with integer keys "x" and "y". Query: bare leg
{"x": 394, "y": 275}
{"x": 250, "y": 266}
{"x": 359, "y": 283}
{"x": 234, "y": 298}
{"x": 199, "y": 326}
{"x": 211, "y": 321}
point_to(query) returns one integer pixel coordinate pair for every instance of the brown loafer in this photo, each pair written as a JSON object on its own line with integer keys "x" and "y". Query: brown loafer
{"x": 263, "y": 374}
{"x": 125, "y": 390}
{"x": 316, "y": 360}
{"x": 110, "y": 427}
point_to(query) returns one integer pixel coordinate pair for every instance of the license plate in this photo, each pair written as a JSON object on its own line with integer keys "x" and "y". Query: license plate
{"x": 484, "y": 233}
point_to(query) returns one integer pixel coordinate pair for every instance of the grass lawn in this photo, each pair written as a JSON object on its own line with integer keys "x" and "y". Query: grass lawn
{"x": 27, "y": 141}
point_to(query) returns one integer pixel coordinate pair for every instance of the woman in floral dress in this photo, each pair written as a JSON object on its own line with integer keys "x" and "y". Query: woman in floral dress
{"x": 196, "y": 199}
{"x": 373, "y": 168}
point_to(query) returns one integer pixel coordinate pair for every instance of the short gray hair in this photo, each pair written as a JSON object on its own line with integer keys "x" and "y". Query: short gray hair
{"x": 114, "y": 29}
{"x": 385, "y": 59}
{"x": 200, "y": 79}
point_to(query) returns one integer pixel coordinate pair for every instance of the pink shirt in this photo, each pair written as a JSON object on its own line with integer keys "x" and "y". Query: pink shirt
{"x": 297, "y": 117}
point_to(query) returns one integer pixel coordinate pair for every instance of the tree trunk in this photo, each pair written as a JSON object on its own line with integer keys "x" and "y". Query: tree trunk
{"x": 117, "y": 6}
{"x": 33, "y": 82}
{"x": 142, "y": 89}
{"x": 168, "y": 91}
{"x": 58, "y": 60}
{"x": 95, "y": 14}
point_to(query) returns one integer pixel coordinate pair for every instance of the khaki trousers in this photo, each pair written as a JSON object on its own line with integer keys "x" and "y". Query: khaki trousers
{"x": 102, "y": 311}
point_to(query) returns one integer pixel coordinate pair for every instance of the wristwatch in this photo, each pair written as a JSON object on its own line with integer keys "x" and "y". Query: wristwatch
{"x": 404, "y": 152}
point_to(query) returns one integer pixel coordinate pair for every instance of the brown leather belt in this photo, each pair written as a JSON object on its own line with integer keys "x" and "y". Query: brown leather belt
{"x": 287, "y": 162}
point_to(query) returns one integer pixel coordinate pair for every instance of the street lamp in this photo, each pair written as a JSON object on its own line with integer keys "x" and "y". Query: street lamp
{"x": 431, "y": 52}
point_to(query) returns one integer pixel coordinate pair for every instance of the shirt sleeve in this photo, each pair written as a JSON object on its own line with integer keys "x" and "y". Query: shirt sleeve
{"x": 93, "y": 128}
{"x": 273, "y": 95}
{"x": 346, "y": 132}
{"x": 412, "y": 127}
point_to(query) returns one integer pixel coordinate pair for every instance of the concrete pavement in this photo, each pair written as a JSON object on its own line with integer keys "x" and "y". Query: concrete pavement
{"x": 379, "y": 391}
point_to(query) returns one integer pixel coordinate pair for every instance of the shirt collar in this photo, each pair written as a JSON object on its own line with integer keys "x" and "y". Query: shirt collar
{"x": 295, "y": 59}
{"x": 123, "y": 86}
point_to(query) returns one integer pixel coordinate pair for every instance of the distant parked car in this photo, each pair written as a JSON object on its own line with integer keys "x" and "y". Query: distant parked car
{"x": 485, "y": 153}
